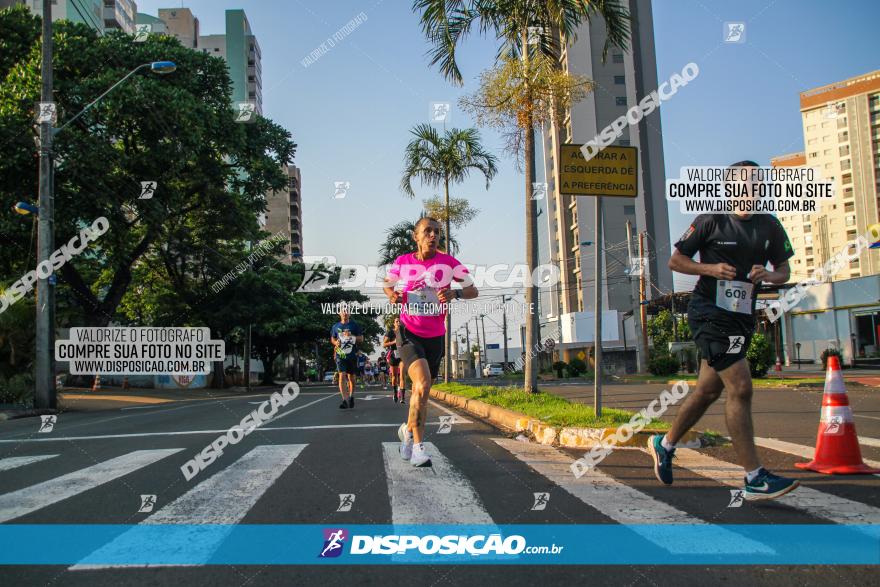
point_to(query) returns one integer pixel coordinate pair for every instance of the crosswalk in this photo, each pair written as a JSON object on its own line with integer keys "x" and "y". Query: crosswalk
{"x": 443, "y": 494}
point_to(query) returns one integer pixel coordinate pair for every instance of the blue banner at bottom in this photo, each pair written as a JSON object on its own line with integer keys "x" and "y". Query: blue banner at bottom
{"x": 98, "y": 546}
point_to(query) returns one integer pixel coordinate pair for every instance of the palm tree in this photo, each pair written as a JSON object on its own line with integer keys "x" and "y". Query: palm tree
{"x": 513, "y": 22}
{"x": 437, "y": 160}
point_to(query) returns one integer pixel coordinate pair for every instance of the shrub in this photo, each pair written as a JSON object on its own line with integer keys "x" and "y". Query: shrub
{"x": 662, "y": 363}
{"x": 576, "y": 367}
{"x": 559, "y": 367}
{"x": 827, "y": 353}
{"x": 18, "y": 389}
{"x": 760, "y": 355}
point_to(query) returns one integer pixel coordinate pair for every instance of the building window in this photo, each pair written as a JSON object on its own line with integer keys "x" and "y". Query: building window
{"x": 620, "y": 100}
{"x": 809, "y": 251}
{"x": 846, "y": 178}
{"x": 631, "y": 210}
{"x": 849, "y": 207}
{"x": 844, "y": 150}
{"x": 843, "y": 137}
{"x": 845, "y": 165}
{"x": 808, "y": 228}
{"x": 619, "y": 80}
{"x": 617, "y": 58}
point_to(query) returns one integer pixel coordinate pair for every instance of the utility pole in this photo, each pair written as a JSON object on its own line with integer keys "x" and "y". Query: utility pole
{"x": 597, "y": 314}
{"x": 485, "y": 344}
{"x": 504, "y": 326}
{"x": 478, "y": 368}
{"x": 641, "y": 355}
{"x": 44, "y": 395}
{"x": 467, "y": 334}
{"x": 643, "y": 310}
{"x": 247, "y": 361}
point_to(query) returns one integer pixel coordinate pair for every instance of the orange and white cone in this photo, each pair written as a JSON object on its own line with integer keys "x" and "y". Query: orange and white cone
{"x": 96, "y": 385}
{"x": 125, "y": 383}
{"x": 837, "y": 445}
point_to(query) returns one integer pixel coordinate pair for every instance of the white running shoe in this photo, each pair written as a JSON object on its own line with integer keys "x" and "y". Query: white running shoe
{"x": 403, "y": 434}
{"x": 406, "y": 450}
{"x": 420, "y": 457}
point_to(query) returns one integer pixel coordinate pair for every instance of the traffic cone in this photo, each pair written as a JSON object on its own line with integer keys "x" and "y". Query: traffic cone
{"x": 837, "y": 445}
{"x": 96, "y": 385}
{"x": 125, "y": 383}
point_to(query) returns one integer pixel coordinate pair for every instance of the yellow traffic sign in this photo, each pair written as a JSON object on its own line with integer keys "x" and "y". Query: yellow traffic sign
{"x": 613, "y": 171}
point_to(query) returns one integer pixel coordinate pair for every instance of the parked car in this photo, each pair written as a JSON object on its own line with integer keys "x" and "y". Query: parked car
{"x": 493, "y": 370}
{"x": 330, "y": 376}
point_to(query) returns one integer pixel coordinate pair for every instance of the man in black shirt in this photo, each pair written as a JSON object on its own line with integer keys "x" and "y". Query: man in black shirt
{"x": 734, "y": 251}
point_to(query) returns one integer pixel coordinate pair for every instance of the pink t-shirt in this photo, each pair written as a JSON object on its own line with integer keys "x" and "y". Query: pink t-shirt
{"x": 423, "y": 313}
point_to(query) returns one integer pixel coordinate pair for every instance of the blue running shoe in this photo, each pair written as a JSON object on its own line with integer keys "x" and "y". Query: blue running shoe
{"x": 768, "y": 486}
{"x": 662, "y": 459}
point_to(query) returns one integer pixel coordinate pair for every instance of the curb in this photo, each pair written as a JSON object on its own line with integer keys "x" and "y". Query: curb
{"x": 543, "y": 433}
{"x": 16, "y": 414}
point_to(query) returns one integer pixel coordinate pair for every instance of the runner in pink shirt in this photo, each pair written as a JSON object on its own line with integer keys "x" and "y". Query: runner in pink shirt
{"x": 422, "y": 282}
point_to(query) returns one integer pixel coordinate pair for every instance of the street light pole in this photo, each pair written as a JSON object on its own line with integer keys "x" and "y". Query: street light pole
{"x": 45, "y": 396}
{"x": 44, "y": 393}
{"x": 597, "y": 314}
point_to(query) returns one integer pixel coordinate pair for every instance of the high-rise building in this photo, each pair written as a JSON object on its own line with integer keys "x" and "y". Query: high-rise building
{"x": 120, "y": 15}
{"x": 87, "y": 12}
{"x": 842, "y": 140}
{"x": 243, "y": 56}
{"x": 284, "y": 214}
{"x": 182, "y": 25}
{"x": 565, "y": 221}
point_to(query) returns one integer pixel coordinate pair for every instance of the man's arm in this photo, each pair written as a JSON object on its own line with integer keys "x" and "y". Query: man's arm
{"x": 681, "y": 263}
{"x": 778, "y": 276}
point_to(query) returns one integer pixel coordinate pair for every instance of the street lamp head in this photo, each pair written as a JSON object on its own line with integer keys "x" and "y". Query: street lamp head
{"x": 163, "y": 67}
{"x": 25, "y": 209}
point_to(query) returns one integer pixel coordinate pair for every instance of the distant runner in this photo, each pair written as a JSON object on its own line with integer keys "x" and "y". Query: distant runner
{"x": 389, "y": 342}
{"x": 734, "y": 250}
{"x": 382, "y": 364}
{"x": 424, "y": 277}
{"x": 345, "y": 335}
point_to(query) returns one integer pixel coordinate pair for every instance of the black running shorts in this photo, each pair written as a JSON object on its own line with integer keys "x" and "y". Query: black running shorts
{"x": 346, "y": 364}
{"x": 721, "y": 337}
{"x": 416, "y": 347}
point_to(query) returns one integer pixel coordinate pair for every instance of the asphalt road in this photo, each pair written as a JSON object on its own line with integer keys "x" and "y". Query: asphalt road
{"x": 93, "y": 467}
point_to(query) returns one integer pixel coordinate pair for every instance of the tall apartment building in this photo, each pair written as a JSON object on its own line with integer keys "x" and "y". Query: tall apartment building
{"x": 100, "y": 15}
{"x": 842, "y": 140}
{"x": 284, "y": 214}
{"x": 120, "y": 15}
{"x": 241, "y": 50}
{"x": 567, "y": 221}
{"x": 182, "y": 25}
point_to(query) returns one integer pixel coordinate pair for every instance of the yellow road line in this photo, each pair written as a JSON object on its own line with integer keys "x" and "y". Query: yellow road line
{"x": 117, "y": 398}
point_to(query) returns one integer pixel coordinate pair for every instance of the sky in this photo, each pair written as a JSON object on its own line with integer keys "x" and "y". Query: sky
{"x": 351, "y": 110}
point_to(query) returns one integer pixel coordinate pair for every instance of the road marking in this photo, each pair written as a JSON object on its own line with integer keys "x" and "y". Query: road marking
{"x": 29, "y": 499}
{"x": 863, "y": 416}
{"x": 869, "y": 441}
{"x": 816, "y": 503}
{"x": 289, "y": 412}
{"x": 629, "y": 506}
{"x": 799, "y": 450}
{"x": 458, "y": 419}
{"x": 222, "y": 499}
{"x": 15, "y": 462}
{"x": 430, "y": 495}
{"x": 134, "y": 399}
{"x": 192, "y": 432}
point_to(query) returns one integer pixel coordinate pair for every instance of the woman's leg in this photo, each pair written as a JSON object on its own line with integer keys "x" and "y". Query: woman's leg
{"x": 420, "y": 376}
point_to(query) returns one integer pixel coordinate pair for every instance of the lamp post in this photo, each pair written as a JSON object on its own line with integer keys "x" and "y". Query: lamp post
{"x": 44, "y": 393}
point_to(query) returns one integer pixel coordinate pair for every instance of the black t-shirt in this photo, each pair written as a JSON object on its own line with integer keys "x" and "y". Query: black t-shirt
{"x": 739, "y": 242}
{"x": 390, "y": 335}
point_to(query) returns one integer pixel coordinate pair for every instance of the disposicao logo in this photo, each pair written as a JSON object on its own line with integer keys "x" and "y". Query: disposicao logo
{"x": 334, "y": 542}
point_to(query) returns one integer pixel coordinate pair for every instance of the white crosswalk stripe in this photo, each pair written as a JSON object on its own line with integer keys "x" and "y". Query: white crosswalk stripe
{"x": 430, "y": 495}
{"x": 15, "y": 462}
{"x": 24, "y": 501}
{"x": 799, "y": 450}
{"x": 816, "y": 503}
{"x": 627, "y": 505}
{"x": 224, "y": 498}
